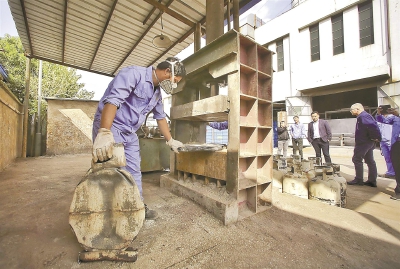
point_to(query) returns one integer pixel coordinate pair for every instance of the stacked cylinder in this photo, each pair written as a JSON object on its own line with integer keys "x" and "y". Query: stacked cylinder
{"x": 309, "y": 179}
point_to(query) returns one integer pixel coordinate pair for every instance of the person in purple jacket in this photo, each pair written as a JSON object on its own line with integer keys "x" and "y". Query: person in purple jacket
{"x": 223, "y": 125}
{"x": 395, "y": 146}
{"x": 131, "y": 95}
{"x": 366, "y": 135}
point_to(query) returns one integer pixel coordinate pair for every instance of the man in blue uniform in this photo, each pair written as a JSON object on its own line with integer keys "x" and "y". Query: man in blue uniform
{"x": 130, "y": 96}
{"x": 366, "y": 135}
{"x": 395, "y": 146}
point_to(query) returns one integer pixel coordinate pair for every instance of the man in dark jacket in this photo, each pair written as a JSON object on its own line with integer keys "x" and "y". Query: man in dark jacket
{"x": 319, "y": 135}
{"x": 366, "y": 135}
{"x": 283, "y": 139}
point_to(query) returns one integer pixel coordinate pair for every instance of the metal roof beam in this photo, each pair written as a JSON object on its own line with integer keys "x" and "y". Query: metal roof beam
{"x": 69, "y": 65}
{"x": 26, "y": 25}
{"x": 170, "y": 12}
{"x": 141, "y": 37}
{"x": 191, "y": 31}
{"x": 103, "y": 33}
{"x": 150, "y": 13}
{"x": 64, "y": 29}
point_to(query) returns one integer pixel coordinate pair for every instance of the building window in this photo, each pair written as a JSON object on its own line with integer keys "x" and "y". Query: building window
{"x": 366, "y": 24}
{"x": 314, "y": 38}
{"x": 337, "y": 34}
{"x": 279, "y": 51}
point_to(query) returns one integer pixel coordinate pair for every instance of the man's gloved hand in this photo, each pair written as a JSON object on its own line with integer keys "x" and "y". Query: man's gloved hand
{"x": 103, "y": 146}
{"x": 174, "y": 144}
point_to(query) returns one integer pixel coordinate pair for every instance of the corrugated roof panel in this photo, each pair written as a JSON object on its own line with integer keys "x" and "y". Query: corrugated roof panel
{"x": 126, "y": 41}
{"x": 45, "y": 27}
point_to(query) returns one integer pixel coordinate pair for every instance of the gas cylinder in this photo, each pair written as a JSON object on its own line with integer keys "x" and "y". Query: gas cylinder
{"x": 295, "y": 184}
{"x": 107, "y": 212}
{"x": 328, "y": 187}
{"x": 296, "y": 181}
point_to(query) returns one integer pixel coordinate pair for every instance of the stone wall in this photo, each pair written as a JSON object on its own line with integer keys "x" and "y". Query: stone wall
{"x": 69, "y": 126}
{"x": 11, "y": 126}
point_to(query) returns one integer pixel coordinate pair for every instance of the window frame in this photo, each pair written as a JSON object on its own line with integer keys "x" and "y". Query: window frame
{"x": 280, "y": 55}
{"x": 317, "y": 55}
{"x": 365, "y": 13}
{"x": 337, "y": 29}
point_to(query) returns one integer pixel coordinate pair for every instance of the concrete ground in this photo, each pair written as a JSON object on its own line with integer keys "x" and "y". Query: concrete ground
{"x": 35, "y": 195}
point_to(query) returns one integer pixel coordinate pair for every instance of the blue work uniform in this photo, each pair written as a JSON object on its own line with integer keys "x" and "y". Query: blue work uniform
{"x": 133, "y": 93}
{"x": 386, "y": 131}
{"x": 395, "y": 146}
{"x": 219, "y": 125}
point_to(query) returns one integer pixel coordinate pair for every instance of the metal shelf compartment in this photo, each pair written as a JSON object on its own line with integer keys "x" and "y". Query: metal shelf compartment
{"x": 244, "y": 67}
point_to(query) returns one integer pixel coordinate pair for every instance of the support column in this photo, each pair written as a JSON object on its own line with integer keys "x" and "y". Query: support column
{"x": 197, "y": 37}
{"x": 26, "y": 106}
{"x": 228, "y": 17}
{"x": 214, "y": 19}
{"x": 236, "y": 15}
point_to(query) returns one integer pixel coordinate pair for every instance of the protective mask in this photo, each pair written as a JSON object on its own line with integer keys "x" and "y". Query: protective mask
{"x": 167, "y": 86}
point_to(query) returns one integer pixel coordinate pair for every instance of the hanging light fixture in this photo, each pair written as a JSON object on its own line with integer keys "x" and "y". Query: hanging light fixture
{"x": 161, "y": 41}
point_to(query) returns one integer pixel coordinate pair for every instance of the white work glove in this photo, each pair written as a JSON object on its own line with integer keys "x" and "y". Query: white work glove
{"x": 103, "y": 146}
{"x": 174, "y": 144}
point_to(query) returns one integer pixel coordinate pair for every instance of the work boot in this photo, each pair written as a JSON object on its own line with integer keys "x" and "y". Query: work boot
{"x": 370, "y": 183}
{"x": 396, "y": 196}
{"x": 150, "y": 214}
{"x": 355, "y": 182}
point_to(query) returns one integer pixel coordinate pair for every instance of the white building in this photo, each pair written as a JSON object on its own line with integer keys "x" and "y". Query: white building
{"x": 333, "y": 53}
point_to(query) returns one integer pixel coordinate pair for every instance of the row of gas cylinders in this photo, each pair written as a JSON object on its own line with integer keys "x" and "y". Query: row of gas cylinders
{"x": 310, "y": 179}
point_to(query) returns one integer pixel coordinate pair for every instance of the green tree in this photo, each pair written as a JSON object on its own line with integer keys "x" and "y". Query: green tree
{"x": 57, "y": 81}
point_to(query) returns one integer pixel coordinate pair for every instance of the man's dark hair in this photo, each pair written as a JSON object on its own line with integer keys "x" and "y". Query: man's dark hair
{"x": 295, "y": 117}
{"x": 314, "y": 112}
{"x": 385, "y": 109}
{"x": 179, "y": 68}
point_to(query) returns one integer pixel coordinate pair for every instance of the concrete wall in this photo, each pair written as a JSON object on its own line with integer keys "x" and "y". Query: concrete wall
{"x": 69, "y": 126}
{"x": 356, "y": 64}
{"x": 11, "y": 127}
{"x": 394, "y": 39}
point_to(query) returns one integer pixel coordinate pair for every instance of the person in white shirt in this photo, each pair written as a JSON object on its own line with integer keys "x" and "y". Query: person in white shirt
{"x": 298, "y": 132}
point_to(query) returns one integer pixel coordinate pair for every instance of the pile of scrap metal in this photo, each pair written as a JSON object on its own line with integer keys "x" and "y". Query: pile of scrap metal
{"x": 310, "y": 179}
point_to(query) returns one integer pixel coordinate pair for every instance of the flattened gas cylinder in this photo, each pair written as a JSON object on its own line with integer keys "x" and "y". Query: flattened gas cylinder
{"x": 107, "y": 212}
{"x": 295, "y": 184}
{"x": 327, "y": 187}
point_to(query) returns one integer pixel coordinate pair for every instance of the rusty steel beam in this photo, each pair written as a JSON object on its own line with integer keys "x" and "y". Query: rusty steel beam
{"x": 174, "y": 14}
{"x": 68, "y": 65}
{"x": 141, "y": 37}
{"x": 150, "y": 13}
{"x": 202, "y": 21}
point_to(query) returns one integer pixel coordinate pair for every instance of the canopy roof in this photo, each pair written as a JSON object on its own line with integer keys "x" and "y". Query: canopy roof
{"x": 103, "y": 36}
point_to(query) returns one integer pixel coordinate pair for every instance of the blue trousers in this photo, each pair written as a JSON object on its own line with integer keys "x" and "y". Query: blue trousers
{"x": 365, "y": 152}
{"x": 385, "y": 148}
{"x": 132, "y": 152}
{"x": 395, "y": 154}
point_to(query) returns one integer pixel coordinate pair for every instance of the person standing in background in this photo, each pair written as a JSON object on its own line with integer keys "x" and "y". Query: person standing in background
{"x": 386, "y": 132}
{"x": 223, "y": 125}
{"x": 395, "y": 148}
{"x": 366, "y": 135}
{"x": 297, "y": 131}
{"x": 283, "y": 139}
{"x": 319, "y": 134}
